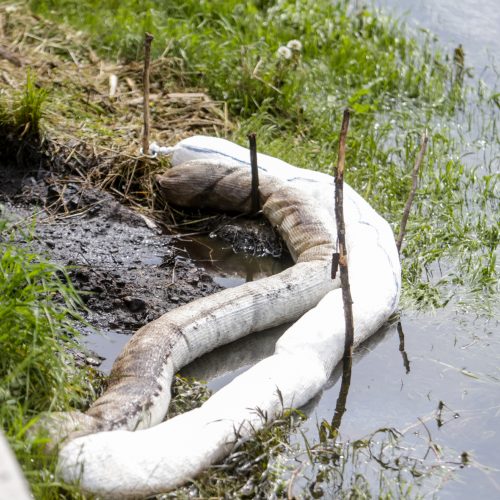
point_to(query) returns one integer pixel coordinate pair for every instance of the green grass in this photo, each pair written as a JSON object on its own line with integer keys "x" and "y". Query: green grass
{"x": 221, "y": 42}
{"x": 38, "y": 307}
{"x": 397, "y": 86}
{"x": 23, "y": 115}
{"x": 257, "y": 468}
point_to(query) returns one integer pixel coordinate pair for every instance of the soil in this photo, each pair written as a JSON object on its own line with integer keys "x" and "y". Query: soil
{"x": 127, "y": 269}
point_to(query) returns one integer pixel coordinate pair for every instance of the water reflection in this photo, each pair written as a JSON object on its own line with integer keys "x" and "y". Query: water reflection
{"x": 106, "y": 343}
{"x": 406, "y": 361}
{"x": 340, "y": 407}
{"x": 222, "y": 365}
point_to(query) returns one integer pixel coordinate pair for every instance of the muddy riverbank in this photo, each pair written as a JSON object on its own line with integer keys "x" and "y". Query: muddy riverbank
{"x": 126, "y": 266}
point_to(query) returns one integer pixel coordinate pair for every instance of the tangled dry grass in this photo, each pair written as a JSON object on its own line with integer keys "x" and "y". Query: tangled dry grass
{"x": 92, "y": 117}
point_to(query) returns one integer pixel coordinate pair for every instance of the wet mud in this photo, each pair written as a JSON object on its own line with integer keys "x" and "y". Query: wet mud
{"x": 126, "y": 268}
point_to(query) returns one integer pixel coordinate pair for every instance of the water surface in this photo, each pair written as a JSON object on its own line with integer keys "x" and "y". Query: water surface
{"x": 474, "y": 24}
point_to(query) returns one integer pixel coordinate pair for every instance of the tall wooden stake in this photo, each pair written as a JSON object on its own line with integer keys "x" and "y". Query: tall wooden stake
{"x": 342, "y": 255}
{"x": 411, "y": 196}
{"x": 340, "y": 259}
{"x": 148, "y": 38}
{"x": 255, "y": 173}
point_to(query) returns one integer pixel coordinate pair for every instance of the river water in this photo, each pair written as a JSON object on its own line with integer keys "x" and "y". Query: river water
{"x": 475, "y": 24}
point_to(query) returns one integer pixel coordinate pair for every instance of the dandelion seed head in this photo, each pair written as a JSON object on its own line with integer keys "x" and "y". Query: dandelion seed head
{"x": 295, "y": 45}
{"x": 284, "y": 52}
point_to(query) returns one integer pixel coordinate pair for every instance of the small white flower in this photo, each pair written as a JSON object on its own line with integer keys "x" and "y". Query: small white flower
{"x": 295, "y": 45}
{"x": 284, "y": 52}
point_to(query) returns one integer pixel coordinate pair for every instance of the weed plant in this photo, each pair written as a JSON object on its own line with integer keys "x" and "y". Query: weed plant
{"x": 38, "y": 307}
{"x": 187, "y": 394}
{"x": 22, "y": 117}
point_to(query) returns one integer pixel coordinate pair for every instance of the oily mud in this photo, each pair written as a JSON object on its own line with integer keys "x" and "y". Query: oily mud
{"x": 127, "y": 269}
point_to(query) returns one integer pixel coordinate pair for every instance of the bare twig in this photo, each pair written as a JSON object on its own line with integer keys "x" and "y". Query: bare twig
{"x": 148, "y": 38}
{"x": 255, "y": 173}
{"x": 431, "y": 445}
{"x": 411, "y": 196}
{"x": 295, "y": 475}
{"x": 342, "y": 257}
{"x": 11, "y": 57}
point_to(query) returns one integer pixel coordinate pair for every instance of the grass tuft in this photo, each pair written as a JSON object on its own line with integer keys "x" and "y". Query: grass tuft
{"x": 24, "y": 114}
{"x": 38, "y": 306}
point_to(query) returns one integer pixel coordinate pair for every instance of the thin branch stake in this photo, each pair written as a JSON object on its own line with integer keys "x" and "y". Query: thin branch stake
{"x": 148, "y": 38}
{"x": 411, "y": 196}
{"x": 342, "y": 256}
{"x": 255, "y": 173}
{"x": 340, "y": 259}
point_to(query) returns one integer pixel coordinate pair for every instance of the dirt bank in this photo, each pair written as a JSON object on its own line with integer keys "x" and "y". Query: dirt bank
{"x": 128, "y": 270}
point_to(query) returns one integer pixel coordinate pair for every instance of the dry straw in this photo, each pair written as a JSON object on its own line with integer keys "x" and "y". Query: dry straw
{"x": 91, "y": 130}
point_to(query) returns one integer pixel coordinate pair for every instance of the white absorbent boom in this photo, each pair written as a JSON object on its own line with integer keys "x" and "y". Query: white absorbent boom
{"x": 122, "y": 447}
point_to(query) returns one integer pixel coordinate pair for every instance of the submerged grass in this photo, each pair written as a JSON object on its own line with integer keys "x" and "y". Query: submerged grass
{"x": 384, "y": 464}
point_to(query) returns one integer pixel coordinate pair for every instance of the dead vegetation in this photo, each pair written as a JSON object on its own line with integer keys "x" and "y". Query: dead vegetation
{"x": 92, "y": 117}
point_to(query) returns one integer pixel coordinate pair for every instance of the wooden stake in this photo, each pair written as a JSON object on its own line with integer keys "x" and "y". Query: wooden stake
{"x": 255, "y": 173}
{"x": 342, "y": 256}
{"x": 340, "y": 259}
{"x": 148, "y": 38}
{"x": 411, "y": 196}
